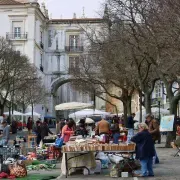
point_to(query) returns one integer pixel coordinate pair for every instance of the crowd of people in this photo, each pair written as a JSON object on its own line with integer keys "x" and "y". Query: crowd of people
{"x": 108, "y": 129}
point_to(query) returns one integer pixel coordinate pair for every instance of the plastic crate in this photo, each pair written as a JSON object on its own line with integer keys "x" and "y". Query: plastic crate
{"x": 11, "y": 152}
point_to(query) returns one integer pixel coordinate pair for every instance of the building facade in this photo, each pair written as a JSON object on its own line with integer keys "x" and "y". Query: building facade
{"x": 52, "y": 45}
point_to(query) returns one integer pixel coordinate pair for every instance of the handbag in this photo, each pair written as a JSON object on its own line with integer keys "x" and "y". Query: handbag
{"x": 59, "y": 142}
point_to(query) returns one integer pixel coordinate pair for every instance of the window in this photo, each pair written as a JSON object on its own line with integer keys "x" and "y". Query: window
{"x": 73, "y": 64}
{"x": 17, "y": 32}
{"x": 73, "y": 40}
{"x": 158, "y": 91}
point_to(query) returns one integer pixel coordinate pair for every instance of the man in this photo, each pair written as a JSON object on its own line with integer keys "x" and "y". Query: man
{"x": 130, "y": 126}
{"x": 44, "y": 129}
{"x": 5, "y": 135}
{"x": 153, "y": 126}
{"x": 103, "y": 128}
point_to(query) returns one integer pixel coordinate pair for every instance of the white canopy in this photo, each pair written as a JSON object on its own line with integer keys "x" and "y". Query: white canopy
{"x": 72, "y": 105}
{"x": 88, "y": 113}
{"x": 15, "y": 113}
{"x": 89, "y": 121}
{"x": 155, "y": 112}
{"x": 34, "y": 114}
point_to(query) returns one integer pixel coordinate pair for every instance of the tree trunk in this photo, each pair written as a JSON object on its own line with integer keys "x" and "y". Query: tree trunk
{"x": 140, "y": 107}
{"x": 125, "y": 113}
{"x": 172, "y": 135}
{"x": 129, "y": 105}
{"x": 32, "y": 112}
{"x": 147, "y": 102}
{"x": 1, "y": 109}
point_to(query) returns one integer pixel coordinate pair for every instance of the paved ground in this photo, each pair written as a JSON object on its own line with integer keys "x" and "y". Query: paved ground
{"x": 168, "y": 169}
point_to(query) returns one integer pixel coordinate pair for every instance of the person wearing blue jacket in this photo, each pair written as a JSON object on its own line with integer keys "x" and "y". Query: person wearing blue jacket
{"x": 144, "y": 150}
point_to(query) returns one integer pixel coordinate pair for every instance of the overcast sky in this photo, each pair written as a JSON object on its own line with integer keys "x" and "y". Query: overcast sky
{"x": 66, "y": 8}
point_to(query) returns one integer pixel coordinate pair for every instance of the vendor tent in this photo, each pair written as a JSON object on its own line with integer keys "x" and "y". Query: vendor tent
{"x": 72, "y": 106}
{"x": 88, "y": 113}
{"x": 34, "y": 114}
{"x": 155, "y": 112}
{"x": 15, "y": 113}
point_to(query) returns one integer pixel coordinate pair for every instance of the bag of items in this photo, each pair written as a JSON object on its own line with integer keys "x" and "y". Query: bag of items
{"x": 18, "y": 170}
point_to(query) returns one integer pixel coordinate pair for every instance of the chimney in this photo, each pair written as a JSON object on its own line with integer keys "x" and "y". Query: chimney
{"x": 74, "y": 16}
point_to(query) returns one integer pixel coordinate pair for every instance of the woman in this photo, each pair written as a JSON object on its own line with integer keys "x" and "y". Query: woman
{"x": 67, "y": 130}
{"x": 144, "y": 150}
{"x": 29, "y": 125}
{"x": 82, "y": 128}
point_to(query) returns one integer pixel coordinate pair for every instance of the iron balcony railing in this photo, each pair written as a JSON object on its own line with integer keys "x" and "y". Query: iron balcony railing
{"x": 15, "y": 36}
{"x": 74, "y": 48}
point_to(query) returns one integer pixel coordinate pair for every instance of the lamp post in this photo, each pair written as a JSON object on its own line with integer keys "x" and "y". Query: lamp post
{"x": 159, "y": 105}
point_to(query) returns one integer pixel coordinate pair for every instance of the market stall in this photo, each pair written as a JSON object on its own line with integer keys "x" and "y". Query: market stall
{"x": 82, "y": 154}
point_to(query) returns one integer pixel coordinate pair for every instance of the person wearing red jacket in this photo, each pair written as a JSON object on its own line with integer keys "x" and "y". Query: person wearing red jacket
{"x": 67, "y": 131}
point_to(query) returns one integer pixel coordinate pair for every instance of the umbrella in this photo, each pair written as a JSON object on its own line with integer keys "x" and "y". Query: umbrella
{"x": 89, "y": 121}
{"x": 88, "y": 113}
{"x": 34, "y": 114}
{"x": 72, "y": 105}
{"x": 15, "y": 113}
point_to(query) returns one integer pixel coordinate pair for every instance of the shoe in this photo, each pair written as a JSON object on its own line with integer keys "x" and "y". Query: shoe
{"x": 137, "y": 175}
{"x": 150, "y": 175}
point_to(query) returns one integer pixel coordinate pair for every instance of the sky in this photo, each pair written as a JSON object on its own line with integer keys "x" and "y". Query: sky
{"x": 65, "y": 8}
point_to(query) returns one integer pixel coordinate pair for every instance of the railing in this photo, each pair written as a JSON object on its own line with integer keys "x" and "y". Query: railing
{"x": 17, "y": 36}
{"x": 74, "y": 48}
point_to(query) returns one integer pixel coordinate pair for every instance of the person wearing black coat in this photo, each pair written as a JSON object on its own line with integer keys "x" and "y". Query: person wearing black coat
{"x": 144, "y": 150}
{"x": 45, "y": 129}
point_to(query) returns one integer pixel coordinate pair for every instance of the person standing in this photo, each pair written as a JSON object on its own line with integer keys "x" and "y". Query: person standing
{"x": 103, "y": 128}
{"x": 38, "y": 132}
{"x": 14, "y": 126}
{"x": 29, "y": 125}
{"x": 153, "y": 126}
{"x": 130, "y": 126}
{"x": 45, "y": 129}
{"x": 144, "y": 150}
{"x": 5, "y": 135}
{"x": 116, "y": 132}
{"x": 68, "y": 130}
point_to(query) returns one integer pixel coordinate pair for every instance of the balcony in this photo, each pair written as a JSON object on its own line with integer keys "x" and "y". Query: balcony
{"x": 16, "y": 36}
{"x": 74, "y": 49}
{"x": 41, "y": 45}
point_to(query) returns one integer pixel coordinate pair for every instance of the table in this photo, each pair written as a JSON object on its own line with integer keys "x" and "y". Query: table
{"x": 55, "y": 150}
{"x": 80, "y": 153}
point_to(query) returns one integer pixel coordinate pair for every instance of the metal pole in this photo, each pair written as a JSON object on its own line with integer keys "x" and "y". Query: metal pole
{"x": 159, "y": 102}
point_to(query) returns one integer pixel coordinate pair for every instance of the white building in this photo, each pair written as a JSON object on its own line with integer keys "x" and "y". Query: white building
{"x": 53, "y": 45}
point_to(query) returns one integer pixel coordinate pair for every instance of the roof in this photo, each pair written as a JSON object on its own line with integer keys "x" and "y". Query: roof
{"x": 13, "y": 2}
{"x": 76, "y": 21}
